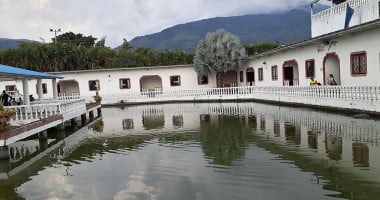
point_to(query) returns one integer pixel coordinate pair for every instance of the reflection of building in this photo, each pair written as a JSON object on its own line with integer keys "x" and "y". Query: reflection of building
{"x": 312, "y": 139}
{"x": 360, "y": 154}
{"x": 331, "y": 134}
{"x": 178, "y": 121}
{"x": 292, "y": 133}
{"x": 128, "y": 124}
{"x": 276, "y": 128}
{"x": 262, "y": 123}
{"x": 153, "y": 119}
{"x": 334, "y": 146}
{"x": 252, "y": 121}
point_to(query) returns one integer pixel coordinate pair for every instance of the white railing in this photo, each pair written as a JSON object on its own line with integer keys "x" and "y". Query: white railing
{"x": 337, "y": 9}
{"x": 71, "y": 97}
{"x": 73, "y": 108}
{"x": 333, "y": 19}
{"x": 47, "y": 108}
{"x": 358, "y": 97}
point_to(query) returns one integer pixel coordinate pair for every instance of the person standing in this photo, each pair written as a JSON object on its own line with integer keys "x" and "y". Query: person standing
{"x": 5, "y": 98}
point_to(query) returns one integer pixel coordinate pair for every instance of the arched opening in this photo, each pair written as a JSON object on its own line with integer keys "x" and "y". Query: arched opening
{"x": 68, "y": 88}
{"x": 331, "y": 65}
{"x": 229, "y": 78}
{"x": 290, "y": 73}
{"x": 150, "y": 83}
{"x": 250, "y": 74}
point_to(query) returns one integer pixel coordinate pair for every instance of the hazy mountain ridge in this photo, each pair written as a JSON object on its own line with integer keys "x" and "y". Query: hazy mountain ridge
{"x": 285, "y": 28}
{"x": 6, "y": 43}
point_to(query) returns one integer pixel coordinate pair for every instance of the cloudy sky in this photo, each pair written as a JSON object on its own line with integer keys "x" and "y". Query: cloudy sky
{"x": 118, "y": 19}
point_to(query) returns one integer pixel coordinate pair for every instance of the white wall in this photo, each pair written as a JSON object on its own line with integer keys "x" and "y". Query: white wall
{"x": 109, "y": 79}
{"x": 368, "y": 41}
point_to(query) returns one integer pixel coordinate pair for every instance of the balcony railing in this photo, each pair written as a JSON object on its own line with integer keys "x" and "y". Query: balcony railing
{"x": 47, "y": 108}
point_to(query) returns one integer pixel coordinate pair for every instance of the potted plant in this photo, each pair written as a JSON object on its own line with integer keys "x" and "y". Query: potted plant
{"x": 97, "y": 98}
{"x": 5, "y": 115}
{"x": 151, "y": 92}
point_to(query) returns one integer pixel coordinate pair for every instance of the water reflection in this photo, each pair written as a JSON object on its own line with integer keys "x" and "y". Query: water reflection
{"x": 210, "y": 151}
{"x": 334, "y": 147}
{"x": 223, "y": 138}
{"x": 360, "y": 154}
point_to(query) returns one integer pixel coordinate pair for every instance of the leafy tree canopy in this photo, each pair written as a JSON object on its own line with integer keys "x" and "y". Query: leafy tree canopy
{"x": 260, "y": 47}
{"x": 77, "y": 54}
{"x": 76, "y": 39}
{"x": 219, "y": 52}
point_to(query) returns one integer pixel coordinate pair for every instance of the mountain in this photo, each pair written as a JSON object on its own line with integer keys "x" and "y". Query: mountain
{"x": 282, "y": 27}
{"x": 6, "y": 43}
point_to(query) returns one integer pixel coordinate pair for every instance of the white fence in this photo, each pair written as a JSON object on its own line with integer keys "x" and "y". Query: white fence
{"x": 47, "y": 108}
{"x": 365, "y": 98}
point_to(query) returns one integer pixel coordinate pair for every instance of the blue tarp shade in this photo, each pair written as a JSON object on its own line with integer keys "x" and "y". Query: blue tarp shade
{"x": 18, "y": 72}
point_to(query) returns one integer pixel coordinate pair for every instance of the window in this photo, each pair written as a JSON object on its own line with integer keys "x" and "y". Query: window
{"x": 261, "y": 74}
{"x": 125, "y": 83}
{"x": 309, "y": 68}
{"x": 274, "y": 72}
{"x": 94, "y": 85}
{"x": 10, "y": 87}
{"x": 202, "y": 80}
{"x": 241, "y": 74}
{"x": 359, "y": 63}
{"x": 44, "y": 88}
{"x": 175, "y": 81}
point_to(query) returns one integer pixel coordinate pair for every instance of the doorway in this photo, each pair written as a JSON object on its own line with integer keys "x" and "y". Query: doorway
{"x": 331, "y": 65}
{"x": 250, "y": 74}
{"x": 290, "y": 73}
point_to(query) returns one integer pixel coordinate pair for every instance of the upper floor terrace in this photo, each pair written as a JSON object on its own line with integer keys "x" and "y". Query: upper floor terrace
{"x": 344, "y": 15}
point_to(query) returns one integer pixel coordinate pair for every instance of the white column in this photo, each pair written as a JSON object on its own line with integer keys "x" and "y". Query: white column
{"x": 25, "y": 90}
{"x": 55, "y": 92}
{"x": 39, "y": 89}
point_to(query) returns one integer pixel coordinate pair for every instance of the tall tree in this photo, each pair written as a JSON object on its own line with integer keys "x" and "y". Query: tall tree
{"x": 219, "y": 52}
{"x": 76, "y": 39}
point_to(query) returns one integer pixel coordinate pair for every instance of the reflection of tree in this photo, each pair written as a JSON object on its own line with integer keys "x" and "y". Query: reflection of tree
{"x": 89, "y": 149}
{"x": 98, "y": 126}
{"x": 224, "y": 138}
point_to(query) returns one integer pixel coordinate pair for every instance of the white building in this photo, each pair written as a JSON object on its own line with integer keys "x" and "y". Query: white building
{"x": 345, "y": 43}
{"x": 351, "y": 54}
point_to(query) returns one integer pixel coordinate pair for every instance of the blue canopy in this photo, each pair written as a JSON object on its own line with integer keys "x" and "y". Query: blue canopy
{"x": 8, "y": 72}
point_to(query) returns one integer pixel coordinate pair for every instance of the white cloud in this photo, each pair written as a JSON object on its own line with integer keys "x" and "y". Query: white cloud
{"x": 118, "y": 19}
